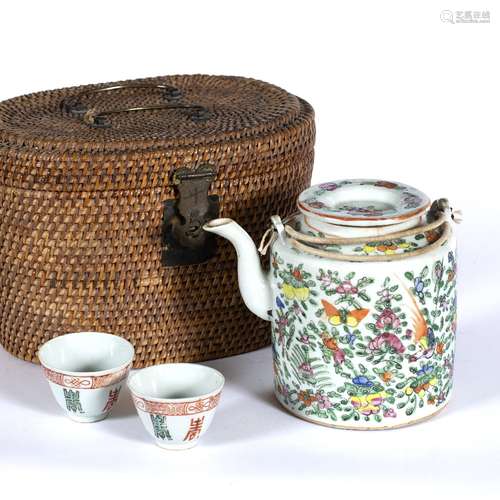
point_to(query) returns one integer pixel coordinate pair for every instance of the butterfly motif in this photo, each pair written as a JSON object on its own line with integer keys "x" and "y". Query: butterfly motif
{"x": 337, "y": 317}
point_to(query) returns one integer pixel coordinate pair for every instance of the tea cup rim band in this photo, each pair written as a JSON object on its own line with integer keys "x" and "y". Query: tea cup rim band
{"x": 204, "y": 395}
{"x": 87, "y": 373}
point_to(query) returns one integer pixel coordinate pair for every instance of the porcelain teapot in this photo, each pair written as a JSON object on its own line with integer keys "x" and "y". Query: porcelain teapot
{"x": 361, "y": 295}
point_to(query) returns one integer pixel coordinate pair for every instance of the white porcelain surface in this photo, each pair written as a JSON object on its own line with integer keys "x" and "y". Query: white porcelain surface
{"x": 318, "y": 225}
{"x": 86, "y": 372}
{"x": 359, "y": 344}
{"x": 89, "y": 352}
{"x": 176, "y": 402}
{"x": 253, "y": 281}
{"x": 362, "y": 202}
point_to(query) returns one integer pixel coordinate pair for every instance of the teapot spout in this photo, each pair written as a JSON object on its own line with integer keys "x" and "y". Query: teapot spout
{"x": 254, "y": 283}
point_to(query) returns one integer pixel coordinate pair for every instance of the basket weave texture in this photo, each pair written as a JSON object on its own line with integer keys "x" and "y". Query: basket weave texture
{"x": 81, "y": 213}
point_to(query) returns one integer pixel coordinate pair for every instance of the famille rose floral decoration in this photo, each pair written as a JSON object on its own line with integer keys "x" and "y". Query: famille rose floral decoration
{"x": 363, "y": 326}
{"x": 343, "y": 201}
{"x": 362, "y": 348}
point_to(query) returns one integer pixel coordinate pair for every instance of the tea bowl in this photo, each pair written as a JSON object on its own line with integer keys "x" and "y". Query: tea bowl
{"x": 86, "y": 371}
{"x": 176, "y": 402}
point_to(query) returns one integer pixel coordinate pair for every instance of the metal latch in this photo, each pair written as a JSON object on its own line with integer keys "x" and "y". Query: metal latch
{"x": 184, "y": 241}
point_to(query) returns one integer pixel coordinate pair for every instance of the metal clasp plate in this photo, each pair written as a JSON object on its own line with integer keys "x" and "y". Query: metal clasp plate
{"x": 184, "y": 240}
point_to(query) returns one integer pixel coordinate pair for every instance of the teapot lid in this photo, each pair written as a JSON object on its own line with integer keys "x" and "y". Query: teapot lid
{"x": 362, "y": 202}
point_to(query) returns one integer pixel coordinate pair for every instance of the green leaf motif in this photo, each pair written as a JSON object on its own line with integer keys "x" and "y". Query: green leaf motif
{"x": 326, "y": 366}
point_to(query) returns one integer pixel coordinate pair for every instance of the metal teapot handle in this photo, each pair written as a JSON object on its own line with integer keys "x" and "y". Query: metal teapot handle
{"x": 440, "y": 214}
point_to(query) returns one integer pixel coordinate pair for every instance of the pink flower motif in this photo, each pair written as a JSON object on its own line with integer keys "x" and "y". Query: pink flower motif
{"x": 346, "y": 287}
{"x": 408, "y": 334}
{"x": 323, "y": 401}
{"x": 385, "y": 294}
{"x": 281, "y": 325}
{"x": 326, "y": 280}
{"x": 306, "y": 368}
{"x": 304, "y": 339}
{"x": 387, "y": 339}
{"x": 283, "y": 321}
{"x": 386, "y": 319}
{"x": 339, "y": 356}
{"x": 329, "y": 186}
{"x": 390, "y": 413}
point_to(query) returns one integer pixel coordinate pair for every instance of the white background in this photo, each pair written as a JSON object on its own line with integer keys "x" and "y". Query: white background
{"x": 398, "y": 94}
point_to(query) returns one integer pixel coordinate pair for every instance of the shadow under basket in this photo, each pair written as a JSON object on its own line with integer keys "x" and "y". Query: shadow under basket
{"x": 104, "y": 190}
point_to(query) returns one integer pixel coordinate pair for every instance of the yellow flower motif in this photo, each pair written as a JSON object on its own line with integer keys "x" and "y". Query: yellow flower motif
{"x": 369, "y": 404}
{"x": 387, "y": 249}
{"x": 302, "y": 293}
{"x": 404, "y": 245}
{"x": 421, "y": 389}
{"x": 368, "y": 249}
{"x": 291, "y": 292}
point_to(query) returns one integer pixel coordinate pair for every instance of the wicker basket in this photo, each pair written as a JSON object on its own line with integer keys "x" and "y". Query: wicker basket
{"x": 103, "y": 191}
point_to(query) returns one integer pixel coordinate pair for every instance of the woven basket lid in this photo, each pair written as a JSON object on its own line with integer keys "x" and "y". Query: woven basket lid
{"x": 232, "y": 108}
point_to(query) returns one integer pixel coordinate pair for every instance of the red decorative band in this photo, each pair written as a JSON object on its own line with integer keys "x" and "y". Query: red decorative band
{"x": 90, "y": 382}
{"x": 177, "y": 409}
